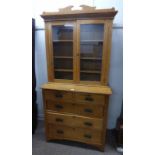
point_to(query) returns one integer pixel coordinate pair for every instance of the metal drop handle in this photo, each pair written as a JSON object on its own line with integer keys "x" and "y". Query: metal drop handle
{"x": 89, "y": 98}
{"x": 59, "y": 120}
{"x": 60, "y": 131}
{"x": 58, "y": 95}
{"x": 87, "y": 136}
{"x": 88, "y": 124}
{"x": 88, "y": 110}
{"x": 58, "y": 106}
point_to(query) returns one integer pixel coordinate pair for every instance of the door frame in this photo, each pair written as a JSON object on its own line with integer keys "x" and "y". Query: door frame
{"x": 49, "y": 50}
{"x": 105, "y": 52}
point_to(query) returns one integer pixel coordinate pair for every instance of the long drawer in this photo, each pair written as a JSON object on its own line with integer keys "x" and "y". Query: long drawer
{"x": 74, "y": 120}
{"x": 90, "y": 110}
{"x": 78, "y": 134}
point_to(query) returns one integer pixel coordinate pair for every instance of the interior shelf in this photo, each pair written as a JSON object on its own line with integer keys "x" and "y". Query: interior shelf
{"x": 90, "y": 58}
{"x": 56, "y": 41}
{"x": 93, "y": 72}
{"x": 91, "y": 41}
{"x": 63, "y": 57}
{"x": 63, "y": 70}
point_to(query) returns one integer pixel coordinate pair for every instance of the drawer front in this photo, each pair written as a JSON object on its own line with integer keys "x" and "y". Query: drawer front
{"x": 74, "y": 121}
{"x": 59, "y": 106}
{"x": 56, "y": 95}
{"x": 90, "y": 98}
{"x": 79, "y": 134}
{"x": 80, "y": 109}
{"x": 89, "y": 136}
{"x": 59, "y": 131}
{"x": 90, "y": 110}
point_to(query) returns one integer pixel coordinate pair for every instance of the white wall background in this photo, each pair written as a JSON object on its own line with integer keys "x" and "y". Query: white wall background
{"x": 116, "y": 66}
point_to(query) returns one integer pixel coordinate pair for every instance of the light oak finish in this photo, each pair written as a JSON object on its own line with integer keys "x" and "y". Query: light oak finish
{"x": 49, "y": 53}
{"x": 71, "y": 87}
{"x": 73, "y": 120}
{"x": 76, "y": 97}
{"x": 55, "y": 95}
{"x": 76, "y": 51}
{"x": 106, "y": 55}
{"x": 79, "y": 14}
{"x": 76, "y": 110}
{"x": 61, "y": 23}
{"x": 75, "y": 134}
{"x": 90, "y": 98}
{"x": 83, "y": 109}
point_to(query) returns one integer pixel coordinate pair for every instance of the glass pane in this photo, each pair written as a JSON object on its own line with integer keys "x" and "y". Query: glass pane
{"x": 63, "y": 32}
{"x": 63, "y": 49}
{"x": 90, "y": 77}
{"x": 63, "y": 75}
{"x": 91, "y": 32}
{"x": 91, "y": 49}
{"x": 90, "y": 65}
{"x": 63, "y": 63}
{"x": 62, "y": 36}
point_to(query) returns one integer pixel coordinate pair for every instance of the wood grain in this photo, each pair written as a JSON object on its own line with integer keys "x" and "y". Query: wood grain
{"x": 73, "y": 120}
{"x": 75, "y": 134}
{"x": 55, "y": 95}
{"x": 49, "y": 53}
{"x": 96, "y": 89}
{"x": 82, "y": 109}
{"x": 74, "y": 109}
{"x": 85, "y": 13}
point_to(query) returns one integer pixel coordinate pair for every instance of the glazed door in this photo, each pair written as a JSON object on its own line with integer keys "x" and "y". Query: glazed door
{"x": 63, "y": 49}
{"x": 90, "y": 50}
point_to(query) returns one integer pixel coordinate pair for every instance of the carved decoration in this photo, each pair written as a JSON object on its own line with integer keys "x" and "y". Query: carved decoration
{"x": 86, "y": 7}
{"x": 86, "y": 11}
{"x": 66, "y": 9}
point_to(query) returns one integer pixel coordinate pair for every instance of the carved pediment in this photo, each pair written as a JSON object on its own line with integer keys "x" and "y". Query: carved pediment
{"x": 85, "y": 12}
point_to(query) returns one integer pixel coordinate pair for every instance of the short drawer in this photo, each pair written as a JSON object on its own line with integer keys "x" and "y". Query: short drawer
{"x": 56, "y": 95}
{"x": 90, "y": 110}
{"x": 78, "y": 134}
{"x": 74, "y": 120}
{"x": 90, "y": 98}
{"x": 89, "y": 136}
{"x": 60, "y": 131}
{"x": 59, "y": 106}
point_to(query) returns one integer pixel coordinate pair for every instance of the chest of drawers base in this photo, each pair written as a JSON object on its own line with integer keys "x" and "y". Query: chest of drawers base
{"x": 76, "y": 116}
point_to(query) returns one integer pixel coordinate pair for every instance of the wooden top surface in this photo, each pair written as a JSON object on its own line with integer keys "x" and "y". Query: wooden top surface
{"x": 97, "y": 89}
{"x": 85, "y": 12}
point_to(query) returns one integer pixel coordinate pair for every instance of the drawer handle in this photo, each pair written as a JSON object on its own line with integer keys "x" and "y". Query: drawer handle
{"x": 88, "y": 110}
{"x": 59, "y": 120}
{"x": 88, "y": 123}
{"x": 88, "y": 136}
{"x": 60, "y": 131}
{"x": 58, "y": 95}
{"x": 89, "y": 98}
{"x": 58, "y": 106}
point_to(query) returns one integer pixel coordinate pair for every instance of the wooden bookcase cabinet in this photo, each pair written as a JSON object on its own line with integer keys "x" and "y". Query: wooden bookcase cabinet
{"x": 78, "y": 45}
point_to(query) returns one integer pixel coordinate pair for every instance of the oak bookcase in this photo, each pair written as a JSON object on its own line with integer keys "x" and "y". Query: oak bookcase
{"x": 78, "y": 44}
